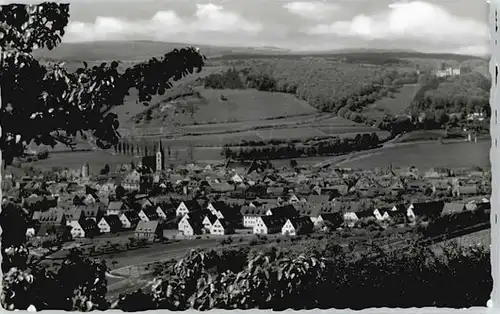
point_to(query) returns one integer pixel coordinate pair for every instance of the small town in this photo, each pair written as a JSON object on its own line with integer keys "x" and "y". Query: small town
{"x": 151, "y": 201}
{"x": 201, "y": 155}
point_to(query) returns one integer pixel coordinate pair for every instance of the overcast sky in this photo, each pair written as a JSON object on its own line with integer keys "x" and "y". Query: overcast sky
{"x": 458, "y": 26}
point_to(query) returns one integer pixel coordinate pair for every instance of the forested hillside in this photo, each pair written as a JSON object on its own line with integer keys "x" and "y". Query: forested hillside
{"x": 329, "y": 86}
{"x": 467, "y": 93}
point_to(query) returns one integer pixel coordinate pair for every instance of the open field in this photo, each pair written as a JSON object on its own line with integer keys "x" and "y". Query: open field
{"x": 249, "y": 105}
{"x": 224, "y": 106}
{"x": 426, "y": 155}
{"x": 240, "y": 126}
{"x": 392, "y": 106}
{"x": 212, "y": 139}
{"x": 302, "y": 133}
{"x": 421, "y": 136}
{"x": 338, "y": 122}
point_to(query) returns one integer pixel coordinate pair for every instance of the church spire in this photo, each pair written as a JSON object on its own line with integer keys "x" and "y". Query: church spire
{"x": 160, "y": 146}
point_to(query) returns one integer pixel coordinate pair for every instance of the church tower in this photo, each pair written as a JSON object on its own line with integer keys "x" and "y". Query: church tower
{"x": 160, "y": 158}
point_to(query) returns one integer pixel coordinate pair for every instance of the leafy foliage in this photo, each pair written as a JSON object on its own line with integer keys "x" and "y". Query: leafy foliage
{"x": 58, "y": 104}
{"x": 324, "y": 276}
{"x": 466, "y": 93}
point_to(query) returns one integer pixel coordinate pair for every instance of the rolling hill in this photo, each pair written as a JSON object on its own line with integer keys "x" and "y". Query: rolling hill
{"x": 135, "y": 50}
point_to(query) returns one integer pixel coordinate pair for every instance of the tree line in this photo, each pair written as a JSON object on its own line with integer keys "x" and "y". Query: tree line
{"x": 332, "y": 146}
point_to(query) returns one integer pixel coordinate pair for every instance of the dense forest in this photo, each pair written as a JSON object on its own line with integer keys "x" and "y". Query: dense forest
{"x": 467, "y": 93}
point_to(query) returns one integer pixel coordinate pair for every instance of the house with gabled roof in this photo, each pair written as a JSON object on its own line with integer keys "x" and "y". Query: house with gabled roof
{"x": 162, "y": 214}
{"x": 221, "y": 227}
{"x": 85, "y": 228}
{"x": 186, "y": 207}
{"x": 208, "y": 220}
{"x": 132, "y": 181}
{"x": 223, "y": 211}
{"x": 287, "y": 211}
{"x": 429, "y": 210}
{"x": 94, "y": 211}
{"x": 349, "y": 212}
{"x": 191, "y": 225}
{"x": 148, "y": 230}
{"x": 116, "y": 208}
{"x": 250, "y": 215}
{"x": 293, "y": 199}
{"x": 109, "y": 224}
{"x": 237, "y": 178}
{"x": 334, "y": 219}
{"x": 381, "y": 214}
{"x": 129, "y": 219}
{"x": 78, "y": 200}
{"x": 148, "y": 214}
{"x": 214, "y": 207}
{"x": 145, "y": 202}
{"x": 53, "y": 216}
{"x": 73, "y": 216}
{"x": 297, "y": 226}
{"x": 90, "y": 198}
{"x": 268, "y": 224}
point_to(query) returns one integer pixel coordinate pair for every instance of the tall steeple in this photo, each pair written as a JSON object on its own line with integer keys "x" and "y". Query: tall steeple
{"x": 160, "y": 147}
{"x": 160, "y": 159}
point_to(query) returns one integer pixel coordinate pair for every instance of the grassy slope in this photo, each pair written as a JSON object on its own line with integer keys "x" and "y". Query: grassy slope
{"x": 392, "y": 106}
{"x": 241, "y": 105}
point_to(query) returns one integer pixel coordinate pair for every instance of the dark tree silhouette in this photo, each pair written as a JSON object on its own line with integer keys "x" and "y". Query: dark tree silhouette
{"x": 105, "y": 170}
{"x": 58, "y": 104}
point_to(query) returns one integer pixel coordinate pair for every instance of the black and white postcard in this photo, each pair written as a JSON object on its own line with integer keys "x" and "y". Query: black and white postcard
{"x": 248, "y": 154}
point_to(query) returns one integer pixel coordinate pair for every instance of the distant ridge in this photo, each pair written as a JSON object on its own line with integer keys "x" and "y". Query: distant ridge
{"x": 143, "y": 49}
{"x": 136, "y": 50}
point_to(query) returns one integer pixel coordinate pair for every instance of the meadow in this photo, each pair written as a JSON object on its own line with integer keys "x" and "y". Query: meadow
{"x": 392, "y": 106}
{"x": 209, "y": 106}
{"x": 426, "y": 155}
{"x": 249, "y": 105}
{"x": 248, "y": 125}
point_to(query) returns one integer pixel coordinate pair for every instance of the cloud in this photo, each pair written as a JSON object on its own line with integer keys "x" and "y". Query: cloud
{"x": 414, "y": 20}
{"x": 164, "y": 25}
{"x": 315, "y": 10}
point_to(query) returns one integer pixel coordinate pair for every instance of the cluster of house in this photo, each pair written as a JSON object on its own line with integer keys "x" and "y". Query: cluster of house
{"x": 300, "y": 215}
{"x": 90, "y": 219}
{"x": 219, "y": 199}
